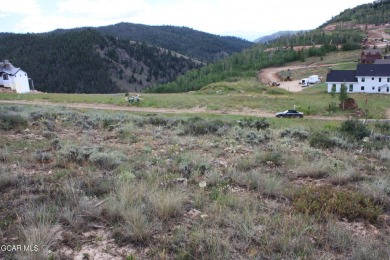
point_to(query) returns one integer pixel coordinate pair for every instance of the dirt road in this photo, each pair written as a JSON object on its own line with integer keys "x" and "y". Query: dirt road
{"x": 270, "y": 75}
{"x": 195, "y": 110}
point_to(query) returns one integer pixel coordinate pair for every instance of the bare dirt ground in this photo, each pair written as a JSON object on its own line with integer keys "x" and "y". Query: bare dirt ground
{"x": 270, "y": 75}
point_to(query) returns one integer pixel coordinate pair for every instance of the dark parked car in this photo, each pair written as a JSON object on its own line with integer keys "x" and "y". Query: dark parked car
{"x": 290, "y": 114}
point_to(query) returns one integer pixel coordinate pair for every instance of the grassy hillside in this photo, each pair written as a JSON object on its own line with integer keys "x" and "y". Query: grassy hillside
{"x": 88, "y": 184}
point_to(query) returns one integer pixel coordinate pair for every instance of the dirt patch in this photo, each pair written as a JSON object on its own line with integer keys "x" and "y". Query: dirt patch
{"x": 270, "y": 75}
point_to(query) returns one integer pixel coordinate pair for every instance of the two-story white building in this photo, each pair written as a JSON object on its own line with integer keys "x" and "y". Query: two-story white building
{"x": 367, "y": 78}
{"x": 13, "y": 78}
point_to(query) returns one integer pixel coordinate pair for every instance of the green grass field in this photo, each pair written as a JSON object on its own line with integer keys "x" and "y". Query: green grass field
{"x": 229, "y": 96}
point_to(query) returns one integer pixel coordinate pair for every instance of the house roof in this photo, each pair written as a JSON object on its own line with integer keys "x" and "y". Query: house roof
{"x": 6, "y": 67}
{"x": 341, "y": 76}
{"x": 374, "y": 70}
{"x": 372, "y": 52}
{"x": 384, "y": 61}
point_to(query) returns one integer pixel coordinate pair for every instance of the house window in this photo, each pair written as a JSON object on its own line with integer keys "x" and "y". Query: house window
{"x": 387, "y": 89}
{"x": 372, "y": 78}
{"x": 5, "y": 76}
{"x": 351, "y": 87}
{"x": 380, "y": 79}
{"x": 379, "y": 89}
{"x": 363, "y": 79}
{"x": 388, "y": 79}
{"x": 362, "y": 88}
{"x": 373, "y": 88}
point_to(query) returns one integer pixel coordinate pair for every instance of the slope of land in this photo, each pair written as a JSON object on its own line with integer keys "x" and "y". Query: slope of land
{"x": 82, "y": 184}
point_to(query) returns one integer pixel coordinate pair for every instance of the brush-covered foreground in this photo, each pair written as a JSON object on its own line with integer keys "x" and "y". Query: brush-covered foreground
{"x": 115, "y": 185}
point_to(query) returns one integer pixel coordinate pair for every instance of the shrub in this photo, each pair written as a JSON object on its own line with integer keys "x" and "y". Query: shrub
{"x": 49, "y": 135}
{"x": 324, "y": 200}
{"x": 43, "y": 156}
{"x": 274, "y": 156}
{"x": 379, "y": 190}
{"x": 295, "y": 133}
{"x": 198, "y": 126}
{"x": 73, "y": 153}
{"x": 161, "y": 121}
{"x": 11, "y": 120}
{"x": 321, "y": 140}
{"x": 325, "y": 140}
{"x": 355, "y": 129}
{"x": 254, "y": 123}
{"x": 127, "y": 133}
{"x": 250, "y": 137}
{"x": 384, "y": 127}
{"x": 107, "y": 161}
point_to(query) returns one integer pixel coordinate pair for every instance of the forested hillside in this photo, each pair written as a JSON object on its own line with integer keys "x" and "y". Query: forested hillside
{"x": 269, "y": 38}
{"x": 196, "y": 44}
{"x": 86, "y": 61}
{"x": 377, "y": 12}
{"x": 244, "y": 64}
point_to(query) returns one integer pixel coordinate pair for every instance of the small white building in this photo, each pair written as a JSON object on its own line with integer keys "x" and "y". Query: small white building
{"x": 367, "y": 78}
{"x": 13, "y": 78}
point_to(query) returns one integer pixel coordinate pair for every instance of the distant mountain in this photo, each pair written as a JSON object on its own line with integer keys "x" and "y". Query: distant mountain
{"x": 86, "y": 61}
{"x": 189, "y": 42}
{"x": 274, "y": 36}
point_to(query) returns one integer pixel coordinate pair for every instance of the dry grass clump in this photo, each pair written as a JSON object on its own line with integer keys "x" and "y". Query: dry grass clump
{"x": 267, "y": 184}
{"x": 137, "y": 209}
{"x": 369, "y": 248}
{"x": 337, "y": 237}
{"x": 9, "y": 179}
{"x": 39, "y": 230}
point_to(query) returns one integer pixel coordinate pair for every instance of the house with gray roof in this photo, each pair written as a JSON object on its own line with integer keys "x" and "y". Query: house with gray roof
{"x": 367, "y": 78}
{"x": 13, "y": 78}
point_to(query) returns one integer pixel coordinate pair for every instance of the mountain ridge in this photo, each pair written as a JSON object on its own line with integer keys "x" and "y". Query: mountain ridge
{"x": 123, "y": 63}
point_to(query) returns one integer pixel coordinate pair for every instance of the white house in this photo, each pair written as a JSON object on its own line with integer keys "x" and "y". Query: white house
{"x": 14, "y": 78}
{"x": 367, "y": 78}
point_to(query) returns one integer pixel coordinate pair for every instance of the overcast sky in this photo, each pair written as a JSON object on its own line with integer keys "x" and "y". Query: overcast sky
{"x": 248, "y": 19}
